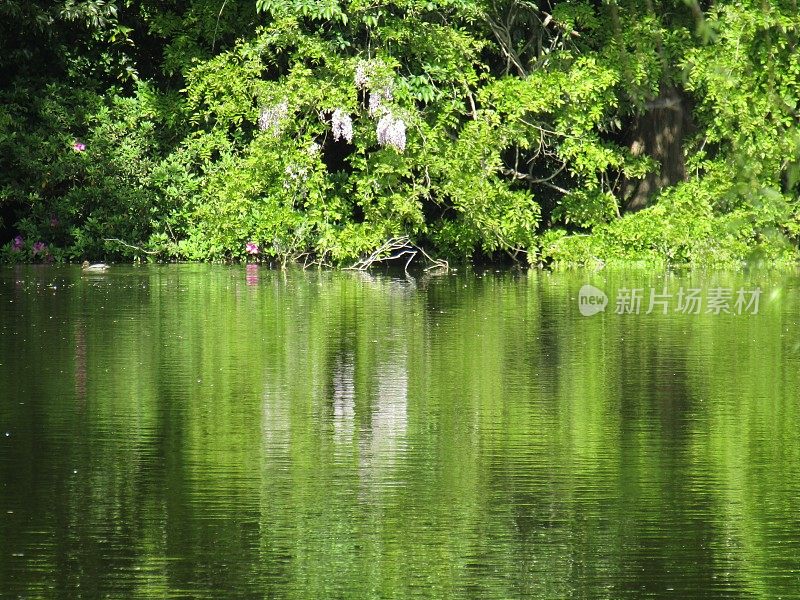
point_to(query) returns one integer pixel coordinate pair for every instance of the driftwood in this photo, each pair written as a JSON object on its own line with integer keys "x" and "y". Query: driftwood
{"x": 395, "y": 248}
{"x": 133, "y": 247}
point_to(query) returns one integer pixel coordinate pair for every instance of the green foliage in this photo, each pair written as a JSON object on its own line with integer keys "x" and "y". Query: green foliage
{"x": 687, "y": 226}
{"x": 90, "y": 169}
{"x": 749, "y": 85}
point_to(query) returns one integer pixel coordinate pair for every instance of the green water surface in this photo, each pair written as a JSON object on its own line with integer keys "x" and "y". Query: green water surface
{"x": 232, "y": 432}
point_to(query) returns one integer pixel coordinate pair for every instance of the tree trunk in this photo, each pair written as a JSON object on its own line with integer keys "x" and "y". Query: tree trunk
{"x": 658, "y": 133}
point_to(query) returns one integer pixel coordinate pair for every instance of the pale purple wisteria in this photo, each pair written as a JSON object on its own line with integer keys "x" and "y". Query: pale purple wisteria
{"x": 342, "y": 126}
{"x": 377, "y": 99}
{"x": 371, "y": 76}
{"x": 296, "y": 175}
{"x": 374, "y": 103}
{"x": 392, "y": 132}
{"x": 362, "y": 74}
{"x": 271, "y": 117}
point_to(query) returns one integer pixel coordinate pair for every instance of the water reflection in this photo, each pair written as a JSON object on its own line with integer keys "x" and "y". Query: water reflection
{"x": 344, "y": 396}
{"x": 80, "y": 360}
{"x": 251, "y": 274}
{"x": 390, "y": 413}
{"x": 185, "y": 431}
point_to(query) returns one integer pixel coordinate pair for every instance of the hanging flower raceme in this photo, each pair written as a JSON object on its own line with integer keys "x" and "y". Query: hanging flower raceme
{"x": 370, "y": 76}
{"x": 392, "y": 132}
{"x": 362, "y": 75}
{"x": 342, "y": 126}
{"x": 271, "y": 117}
{"x": 374, "y": 103}
{"x": 377, "y": 99}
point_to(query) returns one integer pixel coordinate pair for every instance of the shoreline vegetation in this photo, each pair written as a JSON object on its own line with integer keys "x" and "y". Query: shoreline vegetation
{"x": 545, "y": 133}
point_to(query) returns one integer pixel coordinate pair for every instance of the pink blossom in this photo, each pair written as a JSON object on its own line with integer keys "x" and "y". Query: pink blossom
{"x": 39, "y": 248}
{"x": 251, "y": 248}
{"x": 17, "y": 244}
{"x": 54, "y": 222}
{"x": 78, "y": 146}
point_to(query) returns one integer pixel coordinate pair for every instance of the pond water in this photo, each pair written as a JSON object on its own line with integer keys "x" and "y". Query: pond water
{"x": 209, "y": 431}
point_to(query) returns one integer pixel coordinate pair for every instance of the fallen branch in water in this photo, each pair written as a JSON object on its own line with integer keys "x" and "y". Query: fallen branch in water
{"x": 394, "y": 248}
{"x": 126, "y": 244}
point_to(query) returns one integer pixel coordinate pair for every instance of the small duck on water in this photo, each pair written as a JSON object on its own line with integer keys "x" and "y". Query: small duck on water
{"x": 94, "y": 268}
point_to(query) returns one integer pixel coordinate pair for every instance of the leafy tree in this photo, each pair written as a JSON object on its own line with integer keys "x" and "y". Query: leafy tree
{"x": 317, "y": 129}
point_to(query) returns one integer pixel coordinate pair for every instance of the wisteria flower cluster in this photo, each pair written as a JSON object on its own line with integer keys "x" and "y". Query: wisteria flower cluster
{"x": 271, "y": 117}
{"x": 392, "y": 132}
{"x": 368, "y": 74}
{"x": 377, "y": 98}
{"x": 295, "y": 174}
{"x": 362, "y": 74}
{"x": 342, "y": 126}
{"x": 379, "y": 87}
